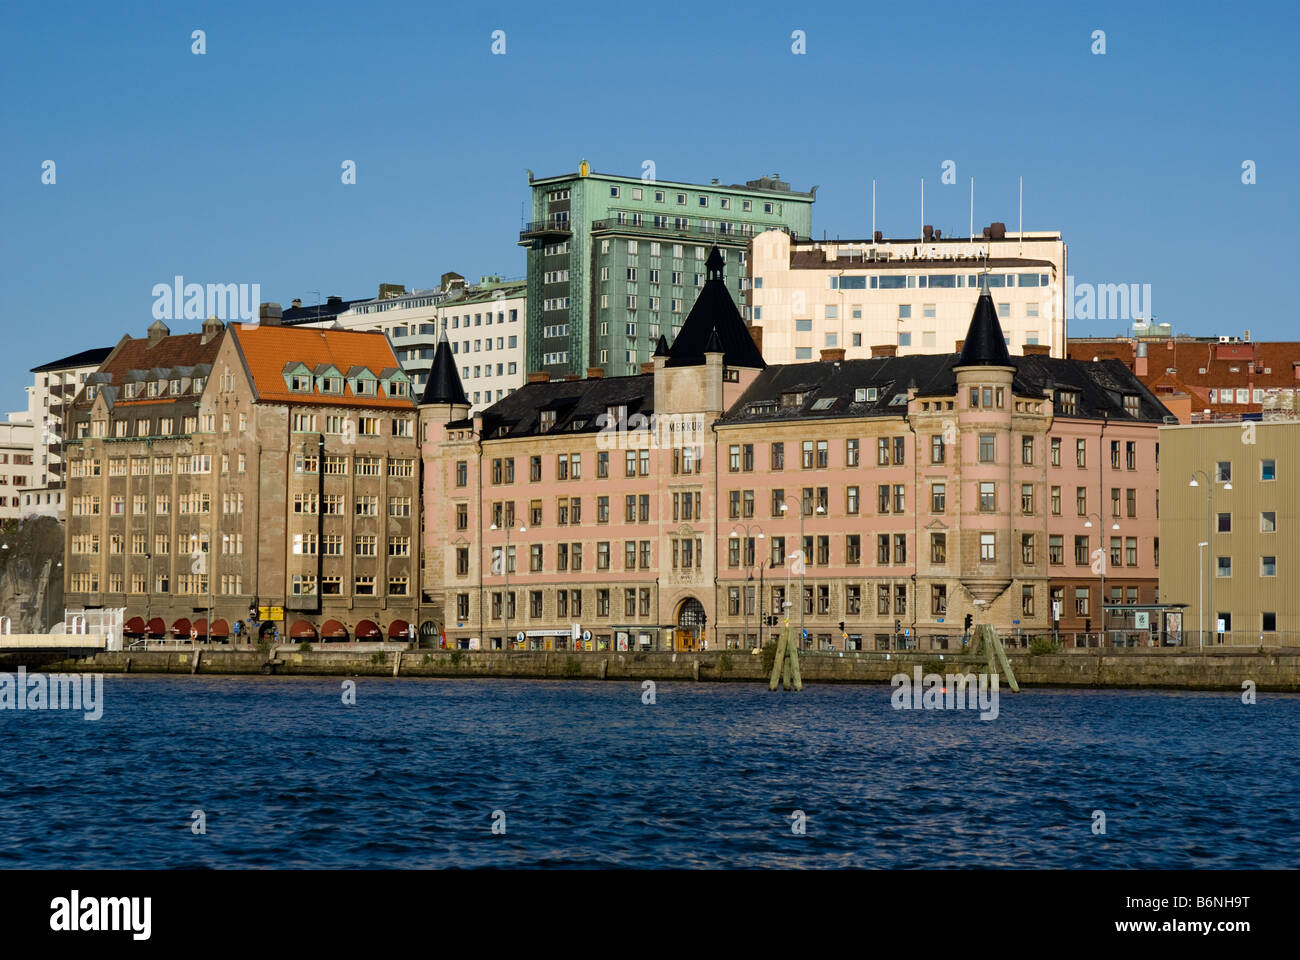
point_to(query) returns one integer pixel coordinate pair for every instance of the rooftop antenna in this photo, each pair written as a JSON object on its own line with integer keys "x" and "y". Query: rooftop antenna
{"x": 1022, "y": 215}
{"x": 972, "y": 209}
{"x": 873, "y": 213}
{"x": 922, "y": 231}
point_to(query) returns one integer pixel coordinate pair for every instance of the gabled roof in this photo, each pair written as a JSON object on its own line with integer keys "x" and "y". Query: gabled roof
{"x": 444, "y": 384}
{"x": 985, "y": 345}
{"x": 269, "y": 350}
{"x": 714, "y": 310}
{"x": 157, "y": 360}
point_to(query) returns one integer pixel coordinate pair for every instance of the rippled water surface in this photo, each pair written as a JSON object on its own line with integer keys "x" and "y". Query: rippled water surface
{"x": 588, "y": 775}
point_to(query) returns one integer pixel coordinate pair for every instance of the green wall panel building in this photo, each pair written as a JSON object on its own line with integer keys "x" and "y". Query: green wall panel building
{"x": 613, "y": 261}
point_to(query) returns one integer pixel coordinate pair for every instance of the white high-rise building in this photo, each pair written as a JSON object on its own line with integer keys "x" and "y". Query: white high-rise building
{"x": 50, "y": 396}
{"x": 905, "y": 296}
{"x": 484, "y": 323}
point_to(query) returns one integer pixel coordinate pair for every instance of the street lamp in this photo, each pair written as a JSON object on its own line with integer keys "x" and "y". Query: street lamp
{"x": 748, "y": 565}
{"x": 1200, "y": 589}
{"x": 1105, "y": 558}
{"x": 505, "y": 568}
{"x": 803, "y": 571}
{"x": 1209, "y": 535}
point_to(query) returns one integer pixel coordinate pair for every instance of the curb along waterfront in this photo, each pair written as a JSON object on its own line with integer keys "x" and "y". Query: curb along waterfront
{"x": 1277, "y": 671}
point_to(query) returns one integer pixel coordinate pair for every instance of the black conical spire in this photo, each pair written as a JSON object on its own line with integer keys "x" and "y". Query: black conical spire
{"x": 984, "y": 346}
{"x": 714, "y": 324}
{"x": 661, "y": 348}
{"x": 444, "y": 384}
{"x": 715, "y": 343}
{"x": 713, "y": 265}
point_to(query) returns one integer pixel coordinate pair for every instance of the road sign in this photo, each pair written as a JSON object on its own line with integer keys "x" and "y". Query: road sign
{"x": 586, "y": 636}
{"x": 1142, "y": 620}
{"x": 1015, "y": 623}
{"x": 907, "y": 632}
{"x": 938, "y": 619}
{"x": 520, "y": 636}
{"x": 1056, "y": 609}
{"x": 270, "y": 613}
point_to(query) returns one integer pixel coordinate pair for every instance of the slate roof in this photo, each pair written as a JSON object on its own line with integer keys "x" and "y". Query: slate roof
{"x": 574, "y": 402}
{"x": 714, "y": 310}
{"x": 1101, "y": 387}
{"x": 317, "y": 311}
{"x": 444, "y": 384}
{"x": 86, "y": 358}
{"x": 985, "y": 344}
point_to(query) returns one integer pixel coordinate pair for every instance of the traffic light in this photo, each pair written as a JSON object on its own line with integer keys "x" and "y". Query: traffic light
{"x": 969, "y": 618}
{"x": 898, "y": 625}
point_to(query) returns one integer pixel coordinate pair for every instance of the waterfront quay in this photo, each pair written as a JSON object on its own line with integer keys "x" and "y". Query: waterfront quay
{"x": 1217, "y": 669}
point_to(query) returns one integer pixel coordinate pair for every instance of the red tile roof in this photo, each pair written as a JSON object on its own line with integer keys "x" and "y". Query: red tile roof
{"x": 267, "y": 349}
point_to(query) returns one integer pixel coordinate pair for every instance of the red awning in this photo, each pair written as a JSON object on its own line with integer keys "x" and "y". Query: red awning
{"x": 333, "y": 630}
{"x": 368, "y": 630}
{"x": 156, "y": 627}
{"x": 201, "y": 626}
{"x": 134, "y": 626}
{"x": 302, "y": 630}
{"x": 220, "y": 628}
{"x": 181, "y": 627}
{"x": 398, "y": 628}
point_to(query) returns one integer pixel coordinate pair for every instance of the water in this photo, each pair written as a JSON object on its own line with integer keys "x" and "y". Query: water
{"x": 587, "y": 775}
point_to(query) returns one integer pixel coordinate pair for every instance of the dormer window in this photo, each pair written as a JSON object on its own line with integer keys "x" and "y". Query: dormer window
{"x": 1132, "y": 404}
{"x": 198, "y": 384}
{"x": 793, "y": 399}
{"x": 546, "y": 421}
{"x": 617, "y": 413}
{"x": 300, "y": 382}
{"x": 130, "y": 391}
{"x": 331, "y": 384}
{"x": 175, "y": 387}
{"x": 153, "y": 389}
{"x": 365, "y": 388}
{"x": 397, "y": 388}
{"x": 1068, "y": 401}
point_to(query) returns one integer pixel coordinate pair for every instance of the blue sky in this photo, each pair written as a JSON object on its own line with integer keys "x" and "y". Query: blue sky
{"x": 226, "y": 167}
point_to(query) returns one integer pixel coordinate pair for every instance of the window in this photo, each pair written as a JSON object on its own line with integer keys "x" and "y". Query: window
{"x": 1027, "y": 600}
{"x": 1056, "y": 501}
{"x": 988, "y": 551}
{"x": 1268, "y": 469}
{"x": 1268, "y": 521}
{"x": 988, "y": 496}
{"x": 938, "y": 497}
{"x": 1081, "y": 552}
{"x": 1056, "y": 451}
{"x": 1268, "y": 566}
{"x": 1082, "y": 605}
{"x": 1027, "y": 499}
{"x": 1223, "y": 471}
{"x": 938, "y": 548}
{"x": 1081, "y": 452}
{"x": 937, "y": 448}
{"x": 778, "y": 456}
{"x": 988, "y": 445}
{"x": 1223, "y": 523}
{"x": 1223, "y": 567}
{"x": 1027, "y": 450}
{"x": 1081, "y": 501}
{"x": 1055, "y": 549}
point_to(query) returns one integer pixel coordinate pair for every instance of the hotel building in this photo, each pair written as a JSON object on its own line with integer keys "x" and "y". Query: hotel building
{"x": 690, "y": 500}
{"x": 246, "y": 469}
{"x": 913, "y": 295}
{"x": 616, "y": 262}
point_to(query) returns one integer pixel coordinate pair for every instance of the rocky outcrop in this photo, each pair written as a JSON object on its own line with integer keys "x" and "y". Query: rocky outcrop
{"x": 31, "y": 578}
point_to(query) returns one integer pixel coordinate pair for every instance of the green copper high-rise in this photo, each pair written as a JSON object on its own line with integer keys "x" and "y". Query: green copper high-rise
{"x": 613, "y": 262}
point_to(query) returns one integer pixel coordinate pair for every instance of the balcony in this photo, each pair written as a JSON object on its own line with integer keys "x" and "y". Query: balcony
{"x": 550, "y": 227}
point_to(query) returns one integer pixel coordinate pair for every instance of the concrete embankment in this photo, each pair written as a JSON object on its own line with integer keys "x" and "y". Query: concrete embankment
{"x": 1168, "y": 669}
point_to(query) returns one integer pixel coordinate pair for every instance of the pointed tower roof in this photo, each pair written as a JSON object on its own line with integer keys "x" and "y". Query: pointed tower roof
{"x": 661, "y": 348}
{"x": 715, "y": 315}
{"x": 444, "y": 384}
{"x": 984, "y": 346}
{"x": 715, "y": 343}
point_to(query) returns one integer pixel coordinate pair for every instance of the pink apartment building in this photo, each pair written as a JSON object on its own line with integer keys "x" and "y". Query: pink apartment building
{"x": 875, "y": 502}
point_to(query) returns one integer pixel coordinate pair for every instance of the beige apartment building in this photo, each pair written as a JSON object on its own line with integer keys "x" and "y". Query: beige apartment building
{"x": 246, "y": 471}
{"x": 1230, "y": 519}
{"x": 914, "y": 295}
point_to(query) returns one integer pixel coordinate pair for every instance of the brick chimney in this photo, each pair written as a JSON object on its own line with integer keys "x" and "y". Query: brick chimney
{"x": 572, "y": 376}
{"x": 757, "y": 334}
{"x": 539, "y": 376}
{"x": 595, "y": 373}
{"x": 960, "y": 344}
{"x": 648, "y": 367}
{"x": 832, "y": 354}
{"x": 1037, "y": 350}
{"x": 270, "y": 314}
{"x": 884, "y": 350}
